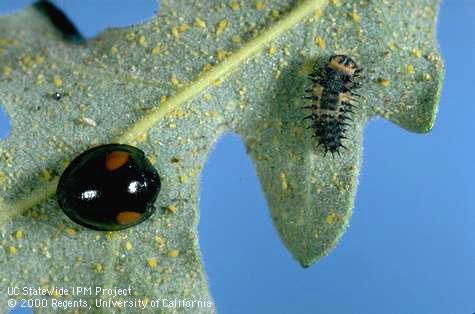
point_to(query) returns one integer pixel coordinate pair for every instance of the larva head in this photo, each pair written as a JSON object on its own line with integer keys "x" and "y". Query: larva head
{"x": 343, "y": 63}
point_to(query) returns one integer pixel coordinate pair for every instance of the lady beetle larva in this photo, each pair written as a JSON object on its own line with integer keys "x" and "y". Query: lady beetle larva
{"x": 332, "y": 101}
{"x": 109, "y": 187}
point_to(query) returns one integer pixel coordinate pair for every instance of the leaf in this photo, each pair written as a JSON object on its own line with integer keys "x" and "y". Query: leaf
{"x": 173, "y": 86}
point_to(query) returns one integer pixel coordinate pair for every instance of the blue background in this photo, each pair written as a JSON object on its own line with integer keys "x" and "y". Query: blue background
{"x": 411, "y": 244}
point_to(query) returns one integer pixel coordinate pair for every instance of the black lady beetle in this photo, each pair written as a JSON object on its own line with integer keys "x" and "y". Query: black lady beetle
{"x": 109, "y": 187}
{"x": 332, "y": 101}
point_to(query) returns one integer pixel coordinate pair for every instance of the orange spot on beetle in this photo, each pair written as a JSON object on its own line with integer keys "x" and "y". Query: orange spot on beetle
{"x": 126, "y": 217}
{"x": 116, "y": 159}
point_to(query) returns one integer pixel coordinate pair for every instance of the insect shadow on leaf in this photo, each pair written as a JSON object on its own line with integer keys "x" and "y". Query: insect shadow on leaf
{"x": 282, "y": 102}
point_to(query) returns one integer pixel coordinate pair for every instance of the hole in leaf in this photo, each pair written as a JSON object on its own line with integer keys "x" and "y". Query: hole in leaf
{"x": 4, "y": 124}
{"x": 9, "y": 7}
{"x": 91, "y": 16}
{"x": 235, "y": 230}
{"x": 21, "y": 310}
{"x": 59, "y": 20}
{"x": 79, "y": 20}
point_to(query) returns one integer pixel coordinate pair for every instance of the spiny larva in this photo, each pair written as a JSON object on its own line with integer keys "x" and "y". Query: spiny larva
{"x": 333, "y": 100}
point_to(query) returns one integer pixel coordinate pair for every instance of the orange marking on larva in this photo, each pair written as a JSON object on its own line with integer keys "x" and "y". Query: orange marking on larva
{"x": 345, "y": 97}
{"x": 341, "y": 68}
{"x": 317, "y": 90}
{"x": 115, "y": 160}
{"x": 125, "y": 218}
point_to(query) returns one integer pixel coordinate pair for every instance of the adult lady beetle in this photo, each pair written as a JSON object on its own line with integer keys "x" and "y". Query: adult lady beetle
{"x": 332, "y": 101}
{"x": 109, "y": 187}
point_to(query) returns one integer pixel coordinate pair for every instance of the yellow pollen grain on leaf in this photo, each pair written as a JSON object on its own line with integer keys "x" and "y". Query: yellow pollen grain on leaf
{"x": 183, "y": 178}
{"x": 410, "y": 69}
{"x": 336, "y": 3}
{"x": 221, "y": 27}
{"x": 206, "y": 97}
{"x": 98, "y": 268}
{"x": 207, "y": 67}
{"x": 392, "y": 46}
{"x": 57, "y": 81}
{"x": 174, "y": 80}
{"x": 3, "y": 177}
{"x": 7, "y": 71}
{"x": 355, "y": 16}
{"x": 40, "y": 79}
{"x": 183, "y": 27}
{"x": 236, "y": 39}
{"x": 141, "y": 137}
{"x": 272, "y": 50}
{"x": 26, "y": 62}
{"x": 143, "y": 41}
{"x": 130, "y": 36}
{"x": 18, "y": 234}
{"x": 44, "y": 282}
{"x": 39, "y": 59}
{"x": 175, "y": 32}
{"x": 152, "y": 159}
{"x": 114, "y": 50}
{"x": 320, "y": 42}
{"x": 109, "y": 235}
{"x": 432, "y": 57}
{"x": 283, "y": 181}
{"x": 160, "y": 241}
{"x": 317, "y": 13}
{"x": 427, "y": 77}
{"x": 200, "y": 23}
{"x": 259, "y": 5}
{"x": 383, "y": 81}
{"x": 156, "y": 50}
{"x": 172, "y": 208}
{"x": 12, "y": 250}
{"x": 178, "y": 113}
{"x": 221, "y": 54}
{"x": 152, "y": 262}
{"x": 128, "y": 245}
{"x": 71, "y": 231}
{"x": 416, "y": 52}
{"x": 173, "y": 253}
{"x": 330, "y": 218}
{"x": 234, "y": 5}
